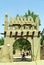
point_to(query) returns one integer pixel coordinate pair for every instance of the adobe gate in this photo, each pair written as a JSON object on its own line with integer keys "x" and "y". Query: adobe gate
{"x": 21, "y": 27}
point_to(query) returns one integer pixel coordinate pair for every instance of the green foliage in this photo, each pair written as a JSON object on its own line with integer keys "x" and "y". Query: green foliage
{"x": 29, "y": 13}
{"x": 42, "y": 37}
{"x": 22, "y": 44}
{"x": 17, "y": 15}
{"x": 1, "y": 41}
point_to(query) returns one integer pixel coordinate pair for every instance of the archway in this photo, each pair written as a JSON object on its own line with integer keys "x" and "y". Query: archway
{"x": 20, "y": 46}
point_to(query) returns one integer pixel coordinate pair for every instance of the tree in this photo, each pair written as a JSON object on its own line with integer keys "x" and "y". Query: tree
{"x": 1, "y": 41}
{"x": 29, "y": 13}
{"x": 42, "y": 36}
{"x": 22, "y": 44}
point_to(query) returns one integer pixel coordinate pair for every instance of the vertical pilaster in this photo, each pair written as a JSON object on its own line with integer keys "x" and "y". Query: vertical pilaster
{"x": 6, "y": 22}
{"x": 11, "y": 28}
{"x": 36, "y": 48}
{"x": 37, "y": 22}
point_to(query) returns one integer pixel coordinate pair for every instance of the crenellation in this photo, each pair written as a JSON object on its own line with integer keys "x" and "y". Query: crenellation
{"x": 30, "y": 24}
{"x": 23, "y": 20}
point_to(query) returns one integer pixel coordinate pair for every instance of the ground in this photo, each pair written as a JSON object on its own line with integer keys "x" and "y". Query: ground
{"x": 39, "y": 62}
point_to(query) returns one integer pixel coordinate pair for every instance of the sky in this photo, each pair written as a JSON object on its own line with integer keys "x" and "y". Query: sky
{"x": 14, "y": 7}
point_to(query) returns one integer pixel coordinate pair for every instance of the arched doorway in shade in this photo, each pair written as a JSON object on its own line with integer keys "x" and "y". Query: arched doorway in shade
{"x": 20, "y": 46}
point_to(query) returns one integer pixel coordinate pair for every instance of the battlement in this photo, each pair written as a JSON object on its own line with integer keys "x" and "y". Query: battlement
{"x": 21, "y": 23}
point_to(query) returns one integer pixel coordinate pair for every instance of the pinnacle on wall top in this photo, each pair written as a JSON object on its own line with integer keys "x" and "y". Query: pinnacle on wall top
{"x": 6, "y": 15}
